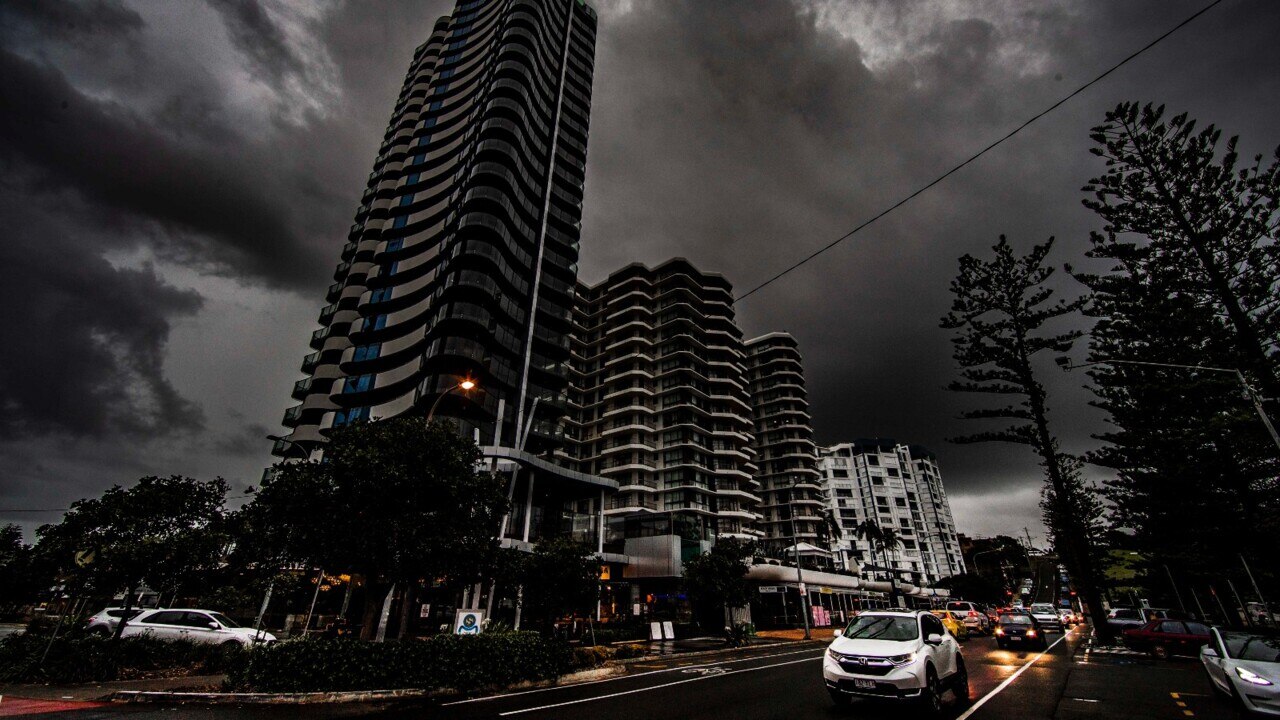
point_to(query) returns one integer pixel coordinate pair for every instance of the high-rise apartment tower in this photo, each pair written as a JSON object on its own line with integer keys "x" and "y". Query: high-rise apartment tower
{"x": 462, "y": 259}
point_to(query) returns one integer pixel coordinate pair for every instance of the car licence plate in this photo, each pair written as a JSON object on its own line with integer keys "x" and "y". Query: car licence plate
{"x": 865, "y": 684}
{"x": 1015, "y": 638}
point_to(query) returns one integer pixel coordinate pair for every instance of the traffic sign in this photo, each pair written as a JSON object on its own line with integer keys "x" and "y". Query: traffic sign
{"x": 468, "y": 622}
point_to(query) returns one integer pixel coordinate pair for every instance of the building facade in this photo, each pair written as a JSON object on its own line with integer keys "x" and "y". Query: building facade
{"x": 894, "y": 486}
{"x": 462, "y": 259}
{"x": 786, "y": 457}
{"x": 659, "y": 404}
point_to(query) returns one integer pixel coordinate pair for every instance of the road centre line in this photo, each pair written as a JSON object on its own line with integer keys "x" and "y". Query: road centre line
{"x": 1009, "y": 680}
{"x": 623, "y": 677}
{"x": 655, "y": 687}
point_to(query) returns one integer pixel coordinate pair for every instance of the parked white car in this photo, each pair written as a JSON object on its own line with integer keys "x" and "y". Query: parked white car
{"x": 1245, "y": 666}
{"x": 201, "y": 626}
{"x": 895, "y": 655}
{"x": 104, "y": 622}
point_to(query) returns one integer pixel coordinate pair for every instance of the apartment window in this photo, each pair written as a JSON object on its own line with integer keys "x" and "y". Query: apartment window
{"x": 400, "y": 221}
{"x": 394, "y": 245}
{"x": 435, "y": 105}
{"x": 346, "y": 417}
{"x": 900, "y": 502}
{"x": 374, "y": 322}
{"x": 406, "y": 199}
{"x": 873, "y": 459}
{"x": 380, "y": 295}
{"x": 423, "y": 140}
{"x": 442, "y": 89}
{"x": 358, "y": 383}
{"x": 367, "y": 352}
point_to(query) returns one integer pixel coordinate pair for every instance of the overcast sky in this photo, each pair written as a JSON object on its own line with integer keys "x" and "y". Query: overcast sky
{"x": 178, "y": 177}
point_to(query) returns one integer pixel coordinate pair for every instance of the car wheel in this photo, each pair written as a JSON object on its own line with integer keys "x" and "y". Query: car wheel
{"x": 839, "y": 698}
{"x": 1160, "y": 652}
{"x": 98, "y": 631}
{"x": 960, "y": 683}
{"x": 931, "y": 694}
{"x": 230, "y": 644}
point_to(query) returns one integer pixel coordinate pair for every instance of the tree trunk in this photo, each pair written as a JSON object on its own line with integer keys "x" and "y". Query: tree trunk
{"x": 406, "y": 611}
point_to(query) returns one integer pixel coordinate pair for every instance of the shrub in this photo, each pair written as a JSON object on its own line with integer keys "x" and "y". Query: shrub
{"x": 77, "y": 659}
{"x": 585, "y": 658}
{"x": 464, "y": 663}
{"x": 630, "y": 650}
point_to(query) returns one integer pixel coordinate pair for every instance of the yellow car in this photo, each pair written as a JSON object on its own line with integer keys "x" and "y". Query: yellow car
{"x": 953, "y": 624}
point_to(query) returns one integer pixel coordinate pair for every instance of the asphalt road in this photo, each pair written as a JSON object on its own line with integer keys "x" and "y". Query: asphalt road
{"x": 785, "y": 682}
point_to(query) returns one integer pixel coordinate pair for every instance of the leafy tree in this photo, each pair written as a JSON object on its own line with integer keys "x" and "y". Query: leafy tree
{"x": 999, "y": 312}
{"x": 164, "y": 532}
{"x": 1191, "y": 280}
{"x": 974, "y": 587}
{"x": 560, "y": 577}
{"x": 395, "y": 501}
{"x": 718, "y": 577}
{"x": 19, "y": 578}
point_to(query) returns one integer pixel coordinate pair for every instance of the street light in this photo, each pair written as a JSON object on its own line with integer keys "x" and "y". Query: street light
{"x": 466, "y": 385}
{"x": 1249, "y": 391}
{"x": 804, "y": 591}
{"x": 292, "y": 444}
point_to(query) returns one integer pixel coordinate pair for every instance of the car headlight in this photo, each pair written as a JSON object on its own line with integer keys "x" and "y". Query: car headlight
{"x": 900, "y": 660}
{"x": 1251, "y": 677}
{"x": 831, "y": 653}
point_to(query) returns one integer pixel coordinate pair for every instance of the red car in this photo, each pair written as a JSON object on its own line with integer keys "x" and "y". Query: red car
{"x": 1163, "y": 638}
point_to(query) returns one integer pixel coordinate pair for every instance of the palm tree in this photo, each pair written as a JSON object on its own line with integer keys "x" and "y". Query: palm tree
{"x": 870, "y": 531}
{"x": 890, "y": 540}
{"x": 829, "y": 531}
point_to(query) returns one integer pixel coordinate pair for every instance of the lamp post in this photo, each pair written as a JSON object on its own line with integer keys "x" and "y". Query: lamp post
{"x": 804, "y": 591}
{"x": 974, "y": 559}
{"x": 465, "y": 385}
{"x": 292, "y": 444}
{"x": 1253, "y": 395}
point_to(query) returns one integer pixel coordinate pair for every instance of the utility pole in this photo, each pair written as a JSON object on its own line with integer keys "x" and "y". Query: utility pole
{"x": 795, "y": 545}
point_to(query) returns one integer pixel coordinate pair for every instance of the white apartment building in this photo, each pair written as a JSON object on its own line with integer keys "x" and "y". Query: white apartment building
{"x": 896, "y": 486}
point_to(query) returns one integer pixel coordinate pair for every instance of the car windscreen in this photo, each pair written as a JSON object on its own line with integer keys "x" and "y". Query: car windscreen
{"x": 1015, "y": 619}
{"x": 1247, "y": 646}
{"x": 883, "y": 627}
{"x": 226, "y": 621}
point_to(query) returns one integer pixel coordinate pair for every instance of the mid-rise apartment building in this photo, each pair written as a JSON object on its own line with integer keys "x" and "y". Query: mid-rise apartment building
{"x": 896, "y": 486}
{"x": 786, "y": 457}
{"x": 659, "y": 404}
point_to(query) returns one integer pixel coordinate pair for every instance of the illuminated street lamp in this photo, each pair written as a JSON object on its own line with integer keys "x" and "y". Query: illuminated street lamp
{"x": 466, "y": 385}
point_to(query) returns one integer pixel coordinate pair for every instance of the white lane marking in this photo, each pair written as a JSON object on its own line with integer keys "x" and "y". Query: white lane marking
{"x": 1009, "y": 680}
{"x": 655, "y": 687}
{"x": 684, "y": 668}
{"x": 705, "y": 670}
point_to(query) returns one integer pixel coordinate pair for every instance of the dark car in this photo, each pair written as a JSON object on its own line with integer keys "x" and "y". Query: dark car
{"x": 1020, "y": 630}
{"x": 1163, "y": 638}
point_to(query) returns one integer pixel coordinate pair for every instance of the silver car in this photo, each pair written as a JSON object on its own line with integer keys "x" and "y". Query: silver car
{"x": 104, "y": 622}
{"x": 1245, "y": 666}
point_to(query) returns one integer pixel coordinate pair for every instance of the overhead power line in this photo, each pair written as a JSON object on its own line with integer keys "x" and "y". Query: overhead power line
{"x": 976, "y": 155}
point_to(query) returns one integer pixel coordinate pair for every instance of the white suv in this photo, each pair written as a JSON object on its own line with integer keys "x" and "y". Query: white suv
{"x": 199, "y": 626}
{"x": 898, "y": 655}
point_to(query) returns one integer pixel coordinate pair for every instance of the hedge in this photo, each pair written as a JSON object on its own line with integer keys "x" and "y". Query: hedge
{"x": 80, "y": 659}
{"x": 463, "y": 663}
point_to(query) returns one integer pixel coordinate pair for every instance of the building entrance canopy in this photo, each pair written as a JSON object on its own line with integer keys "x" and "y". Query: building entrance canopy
{"x": 813, "y": 579}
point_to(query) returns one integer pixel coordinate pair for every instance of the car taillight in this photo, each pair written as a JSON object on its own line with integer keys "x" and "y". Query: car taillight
{"x": 999, "y": 631}
{"x": 1031, "y": 633}
{"x": 973, "y": 614}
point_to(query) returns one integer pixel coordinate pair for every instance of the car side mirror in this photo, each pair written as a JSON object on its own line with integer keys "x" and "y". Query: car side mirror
{"x": 214, "y": 626}
{"x": 837, "y": 633}
{"x": 933, "y": 639}
{"x": 1209, "y": 652}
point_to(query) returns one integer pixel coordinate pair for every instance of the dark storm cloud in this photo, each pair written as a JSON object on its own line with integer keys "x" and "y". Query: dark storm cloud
{"x": 74, "y": 22}
{"x": 259, "y": 37}
{"x": 85, "y": 341}
{"x": 207, "y": 201}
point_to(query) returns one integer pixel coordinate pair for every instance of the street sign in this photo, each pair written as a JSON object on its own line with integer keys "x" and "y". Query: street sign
{"x": 85, "y": 557}
{"x": 425, "y": 610}
{"x": 766, "y": 589}
{"x": 468, "y": 622}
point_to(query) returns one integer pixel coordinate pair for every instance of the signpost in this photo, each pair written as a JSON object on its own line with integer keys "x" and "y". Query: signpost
{"x": 468, "y": 622}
